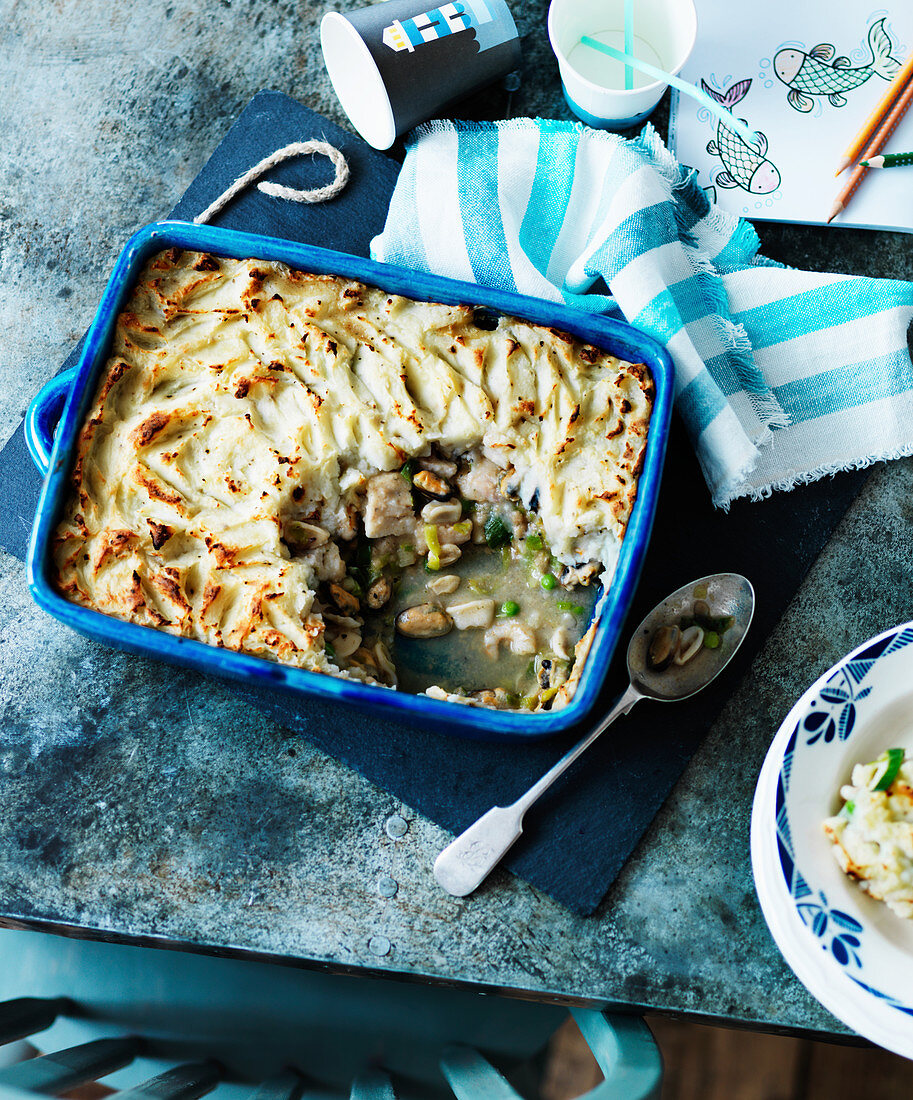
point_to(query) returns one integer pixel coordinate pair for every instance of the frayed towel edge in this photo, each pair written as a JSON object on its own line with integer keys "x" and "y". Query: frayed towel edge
{"x": 754, "y": 493}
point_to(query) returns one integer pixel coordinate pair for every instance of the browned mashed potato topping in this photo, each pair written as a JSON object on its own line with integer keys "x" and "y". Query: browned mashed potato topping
{"x": 268, "y": 449}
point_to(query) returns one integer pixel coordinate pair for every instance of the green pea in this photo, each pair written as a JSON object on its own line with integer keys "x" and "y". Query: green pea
{"x": 711, "y": 640}
{"x": 509, "y": 608}
{"x": 533, "y": 542}
{"x": 549, "y": 580}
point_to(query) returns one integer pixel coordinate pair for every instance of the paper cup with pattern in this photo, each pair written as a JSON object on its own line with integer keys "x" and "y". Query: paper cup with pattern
{"x": 594, "y": 85}
{"x": 398, "y": 63}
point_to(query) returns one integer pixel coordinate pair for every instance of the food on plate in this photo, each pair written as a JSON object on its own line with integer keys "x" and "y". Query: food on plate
{"x": 314, "y": 471}
{"x": 872, "y": 835}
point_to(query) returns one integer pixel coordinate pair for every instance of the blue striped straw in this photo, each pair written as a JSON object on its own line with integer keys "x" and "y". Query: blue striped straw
{"x": 629, "y": 42}
{"x": 682, "y": 85}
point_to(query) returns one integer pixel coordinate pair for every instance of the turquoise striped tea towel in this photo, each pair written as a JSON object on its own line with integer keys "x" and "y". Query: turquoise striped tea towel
{"x": 782, "y": 376}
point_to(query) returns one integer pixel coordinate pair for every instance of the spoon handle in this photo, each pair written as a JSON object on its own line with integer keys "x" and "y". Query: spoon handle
{"x": 621, "y": 706}
{"x": 469, "y": 859}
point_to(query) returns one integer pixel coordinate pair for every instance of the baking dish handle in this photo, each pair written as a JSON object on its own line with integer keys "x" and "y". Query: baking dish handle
{"x": 43, "y": 416}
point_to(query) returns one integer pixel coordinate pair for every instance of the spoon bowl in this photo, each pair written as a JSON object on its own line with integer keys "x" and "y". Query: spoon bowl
{"x": 729, "y": 597}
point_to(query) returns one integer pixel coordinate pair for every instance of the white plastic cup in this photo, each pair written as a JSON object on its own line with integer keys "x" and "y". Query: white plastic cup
{"x": 398, "y": 63}
{"x": 594, "y": 84}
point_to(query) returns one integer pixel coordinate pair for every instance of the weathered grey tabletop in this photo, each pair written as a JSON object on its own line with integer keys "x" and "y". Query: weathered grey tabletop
{"x": 109, "y": 111}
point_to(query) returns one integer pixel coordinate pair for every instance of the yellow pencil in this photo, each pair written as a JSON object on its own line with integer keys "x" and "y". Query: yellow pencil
{"x": 894, "y": 89}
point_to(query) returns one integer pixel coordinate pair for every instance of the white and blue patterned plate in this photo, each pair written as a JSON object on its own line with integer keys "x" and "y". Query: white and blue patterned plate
{"x": 849, "y": 951}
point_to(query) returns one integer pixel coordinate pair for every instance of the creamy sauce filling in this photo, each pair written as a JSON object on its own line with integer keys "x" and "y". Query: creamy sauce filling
{"x": 459, "y": 661}
{"x": 253, "y": 437}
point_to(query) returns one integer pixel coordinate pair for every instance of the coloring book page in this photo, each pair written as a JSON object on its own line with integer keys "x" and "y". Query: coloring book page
{"x": 804, "y": 77}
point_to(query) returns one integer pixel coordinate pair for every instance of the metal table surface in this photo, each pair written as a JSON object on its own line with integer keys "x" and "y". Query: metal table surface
{"x": 184, "y": 818}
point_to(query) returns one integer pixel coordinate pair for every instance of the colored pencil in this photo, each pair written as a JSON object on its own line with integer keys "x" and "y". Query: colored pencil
{"x": 888, "y": 160}
{"x": 894, "y": 89}
{"x": 880, "y": 136}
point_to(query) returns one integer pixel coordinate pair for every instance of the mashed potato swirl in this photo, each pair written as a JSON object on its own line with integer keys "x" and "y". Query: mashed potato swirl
{"x": 246, "y": 408}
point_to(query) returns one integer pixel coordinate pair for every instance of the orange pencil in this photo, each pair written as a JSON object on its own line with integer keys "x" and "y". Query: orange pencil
{"x": 881, "y": 135}
{"x": 894, "y": 89}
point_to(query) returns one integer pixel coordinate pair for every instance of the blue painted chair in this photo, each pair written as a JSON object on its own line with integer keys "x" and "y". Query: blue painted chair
{"x": 169, "y": 1025}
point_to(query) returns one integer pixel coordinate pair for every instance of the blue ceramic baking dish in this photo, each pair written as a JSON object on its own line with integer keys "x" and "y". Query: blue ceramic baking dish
{"x": 52, "y": 435}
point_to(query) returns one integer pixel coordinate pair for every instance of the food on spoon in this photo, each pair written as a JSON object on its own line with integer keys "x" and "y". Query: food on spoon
{"x": 872, "y": 835}
{"x": 271, "y": 454}
{"x": 689, "y": 643}
{"x": 677, "y": 643}
{"x": 663, "y": 647}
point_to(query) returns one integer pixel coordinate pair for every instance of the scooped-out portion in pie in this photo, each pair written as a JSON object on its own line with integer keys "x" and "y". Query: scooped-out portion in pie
{"x": 311, "y": 470}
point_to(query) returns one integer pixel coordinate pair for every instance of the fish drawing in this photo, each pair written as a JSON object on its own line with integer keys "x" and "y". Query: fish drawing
{"x": 814, "y": 73}
{"x": 746, "y": 165}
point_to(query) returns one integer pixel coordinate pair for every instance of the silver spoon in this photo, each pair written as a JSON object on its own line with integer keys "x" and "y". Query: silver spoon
{"x": 465, "y": 863}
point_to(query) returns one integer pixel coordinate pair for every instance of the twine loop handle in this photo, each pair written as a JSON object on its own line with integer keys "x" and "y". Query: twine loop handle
{"x": 277, "y": 190}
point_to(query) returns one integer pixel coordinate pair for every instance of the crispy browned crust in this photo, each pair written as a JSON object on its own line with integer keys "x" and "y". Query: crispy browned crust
{"x": 239, "y": 392}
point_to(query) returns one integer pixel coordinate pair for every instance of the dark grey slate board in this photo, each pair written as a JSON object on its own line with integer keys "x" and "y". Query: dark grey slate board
{"x": 588, "y": 824}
